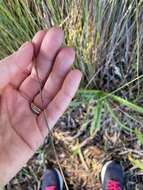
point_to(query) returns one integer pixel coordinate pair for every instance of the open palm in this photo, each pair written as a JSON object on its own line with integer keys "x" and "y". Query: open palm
{"x": 22, "y": 131}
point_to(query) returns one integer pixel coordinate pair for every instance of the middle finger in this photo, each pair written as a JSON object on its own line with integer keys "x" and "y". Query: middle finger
{"x": 50, "y": 46}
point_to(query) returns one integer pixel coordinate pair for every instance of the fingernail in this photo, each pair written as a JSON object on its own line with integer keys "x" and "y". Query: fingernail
{"x": 24, "y": 45}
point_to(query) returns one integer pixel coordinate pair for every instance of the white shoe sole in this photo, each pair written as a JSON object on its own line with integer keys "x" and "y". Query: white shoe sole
{"x": 60, "y": 178}
{"x": 103, "y": 171}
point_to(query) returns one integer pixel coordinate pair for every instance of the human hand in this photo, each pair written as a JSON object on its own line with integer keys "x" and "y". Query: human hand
{"x": 22, "y": 131}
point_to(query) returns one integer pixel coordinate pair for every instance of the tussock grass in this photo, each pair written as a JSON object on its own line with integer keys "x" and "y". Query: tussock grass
{"x": 108, "y": 37}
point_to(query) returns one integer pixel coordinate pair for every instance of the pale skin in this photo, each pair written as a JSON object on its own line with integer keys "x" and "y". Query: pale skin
{"x": 21, "y": 131}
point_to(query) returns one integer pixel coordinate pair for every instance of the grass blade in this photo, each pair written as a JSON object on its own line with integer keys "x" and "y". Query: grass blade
{"x": 130, "y": 105}
{"x": 95, "y": 125}
{"x": 115, "y": 118}
{"x": 103, "y": 96}
{"x": 139, "y": 136}
{"x": 137, "y": 163}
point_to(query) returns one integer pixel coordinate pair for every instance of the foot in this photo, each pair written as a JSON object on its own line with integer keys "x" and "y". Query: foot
{"x": 52, "y": 180}
{"x": 112, "y": 176}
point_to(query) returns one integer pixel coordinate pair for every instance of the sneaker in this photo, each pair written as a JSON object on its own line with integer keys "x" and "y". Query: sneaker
{"x": 52, "y": 180}
{"x": 112, "y": 176}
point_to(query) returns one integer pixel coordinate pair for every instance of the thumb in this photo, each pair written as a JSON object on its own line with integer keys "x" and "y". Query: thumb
{"x": 15, "y": 63}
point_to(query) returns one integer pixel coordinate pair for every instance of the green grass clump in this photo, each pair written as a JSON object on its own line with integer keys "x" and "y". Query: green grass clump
{"x": 107, "y": 35}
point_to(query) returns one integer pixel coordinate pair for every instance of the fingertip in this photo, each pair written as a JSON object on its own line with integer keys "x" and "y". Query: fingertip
{"x": 51, "y": 44}
{"x": 55, "y": 35}
{"x": 77, "y": 74}
{"x": 27, "y": 46}
{"x": 72, "y": 81}
{"x": 57, "y": 30}
{"x": 71, "y": 52}
{"x": 25, "y": 53}
{"x": 37, "y": 40}
{"x": 67, "y": 54}
{"x": 38, "y": 35}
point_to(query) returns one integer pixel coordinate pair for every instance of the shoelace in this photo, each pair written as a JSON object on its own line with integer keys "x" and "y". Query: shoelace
{"x": 113, "y": 185}
{"x": 51, "y": 188}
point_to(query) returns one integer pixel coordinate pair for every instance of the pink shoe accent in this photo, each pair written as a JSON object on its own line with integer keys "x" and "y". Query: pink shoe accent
{"x": 51, "y": 188}
{"x": 113, "y": 185}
